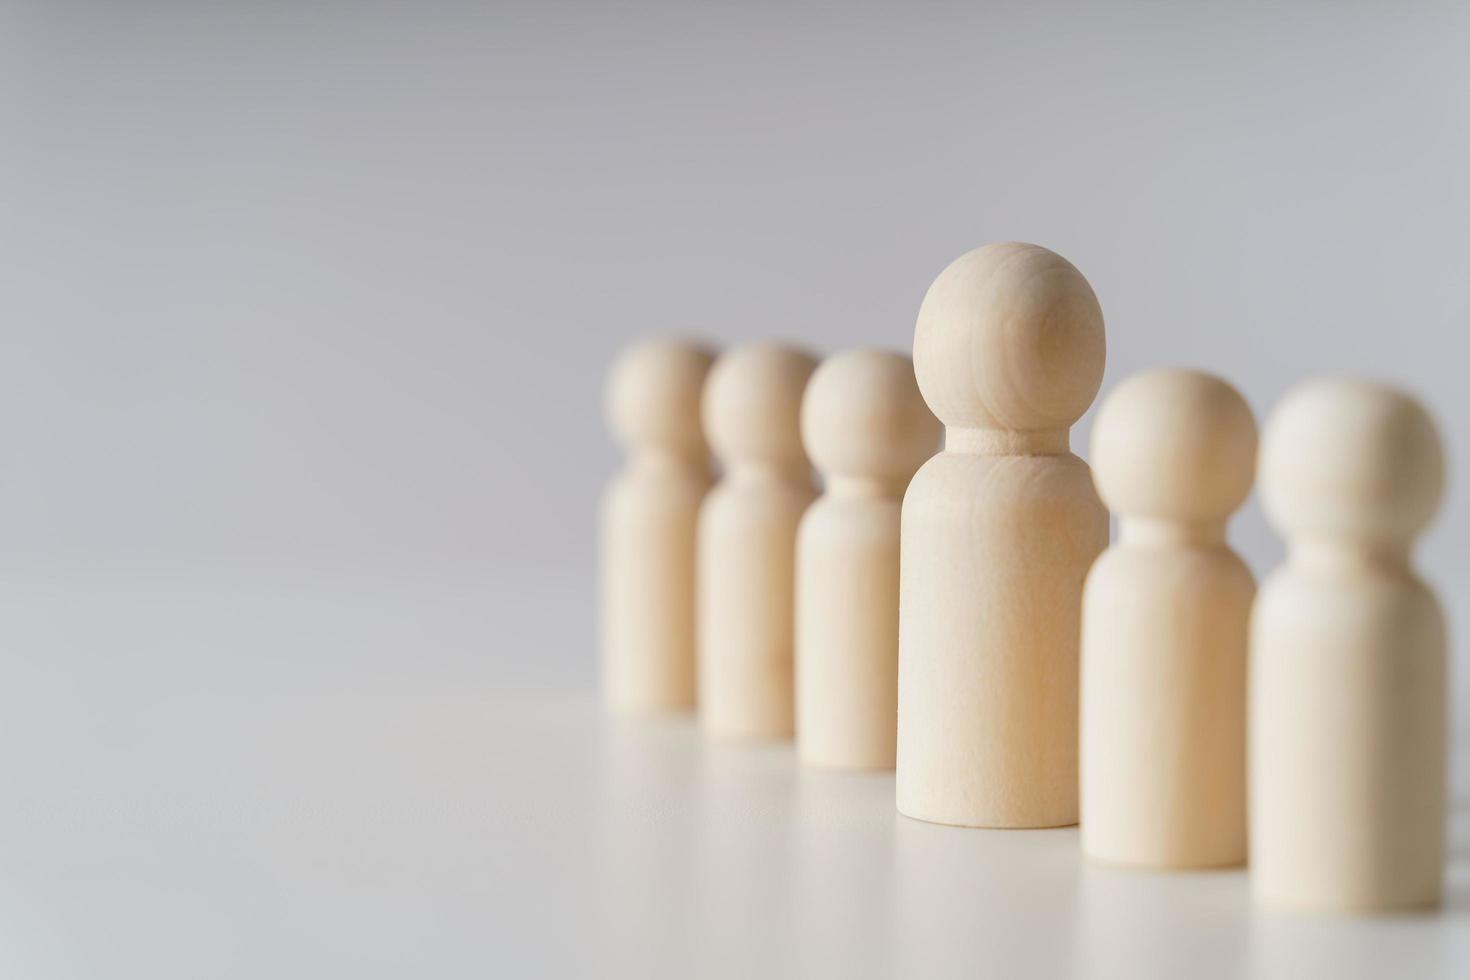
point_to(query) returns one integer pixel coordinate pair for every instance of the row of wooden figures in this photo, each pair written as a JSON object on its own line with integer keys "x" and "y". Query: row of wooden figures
{"x": 961, "y": 615}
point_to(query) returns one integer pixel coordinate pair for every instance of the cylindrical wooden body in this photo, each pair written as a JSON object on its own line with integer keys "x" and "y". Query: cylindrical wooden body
{"x": 847, "y": 631}
{"x": 995, "y": 551}
{"x": 1347, "y": 737}
{"x": 649, "y": 523}
{"x": 747, "y": 570}
{"x": 1164, "y": 648}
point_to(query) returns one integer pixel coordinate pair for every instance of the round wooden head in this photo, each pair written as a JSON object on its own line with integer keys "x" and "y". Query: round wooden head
{"x": 1174, "y": 445}
{"x": 1352, "y": 460}
{"x": 752, "y": 404}
{"x": 653, "y": 393}
{"x": 863, "y": 416}
{"x": 1010, "y": 336}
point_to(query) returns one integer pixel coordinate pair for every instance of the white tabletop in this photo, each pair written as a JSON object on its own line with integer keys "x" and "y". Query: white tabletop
{"x": 197, "y": 787}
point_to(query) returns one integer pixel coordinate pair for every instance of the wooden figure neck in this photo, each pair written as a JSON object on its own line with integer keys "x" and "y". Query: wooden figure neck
{"x": 768, "y": 471}
{"x": 662, "y": 459}
{"x": 1339, "y": 554}
{"x": 1157, "y": 532}
{"x": 1006, "y": 442}
{"x": 865, "y": 487}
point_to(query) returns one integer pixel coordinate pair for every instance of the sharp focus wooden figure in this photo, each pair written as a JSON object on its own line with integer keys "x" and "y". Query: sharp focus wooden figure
{"x": 998, "y": 533}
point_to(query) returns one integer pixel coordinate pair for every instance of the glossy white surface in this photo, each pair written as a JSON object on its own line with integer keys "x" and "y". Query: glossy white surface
{"x": 295, "y": 775}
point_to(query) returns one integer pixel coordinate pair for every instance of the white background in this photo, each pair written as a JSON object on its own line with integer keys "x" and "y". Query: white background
{"x": 306, "y": 308}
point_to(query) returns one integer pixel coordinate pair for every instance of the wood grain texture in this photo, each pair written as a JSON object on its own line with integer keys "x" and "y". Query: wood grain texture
{"x": 998, "y": 532}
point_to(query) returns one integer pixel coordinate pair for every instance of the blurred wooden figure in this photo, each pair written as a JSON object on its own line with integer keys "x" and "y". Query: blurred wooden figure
{"x": 998, "y": 533}
{"x": 867, "y": 429}
{"x": 1165, "y": 618}
{"x": 649, "y": 520}
{"x": 747, "y": 541}
{"x": 1347, "y": 689}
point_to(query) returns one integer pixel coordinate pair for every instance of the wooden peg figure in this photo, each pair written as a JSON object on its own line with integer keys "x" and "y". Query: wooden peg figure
{"x": 649, "y": 525}
{"x": 1165, "y": 618}
{"x": 747, "y": 542}
{"x": 1347, "y": 669}
{"x": 867, "y": 429}
{"x": 998, "y": 533}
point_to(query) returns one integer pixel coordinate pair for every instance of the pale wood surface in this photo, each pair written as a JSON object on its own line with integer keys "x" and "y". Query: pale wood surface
{"x": 1164, "y": 624}
{"x": 1348, "y": 646}
{"x": 867, "y": 429}
{"x": 747, "y": 542}
{"x": 649, "y": 520}
{"x": 998, "y": 532}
